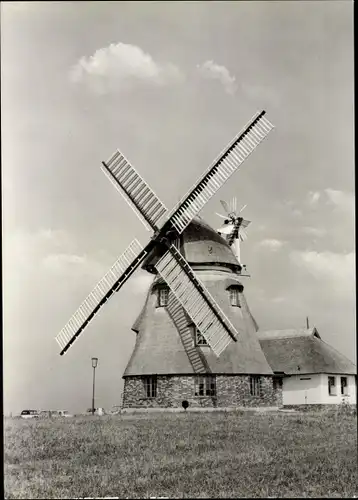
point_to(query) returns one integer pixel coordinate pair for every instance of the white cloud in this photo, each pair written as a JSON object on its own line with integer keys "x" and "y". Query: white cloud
{"x": 341, "y": 200}
{"x": 49, "y": 250}
{"x": 272, "y": 244}
{"x": 337, "y": 269}
{"x": 64, "y": 259}
{"x": 81, "y": 268}
{"x": 65, "y": 264}
{"x": 313, "y": 197}
{"x": 37, "y": 244}
{"x": 209, "y": 69}
{"x": 314, "y": 231}
{"x": 61, "y": 261}
{"x": 119, "y": 65}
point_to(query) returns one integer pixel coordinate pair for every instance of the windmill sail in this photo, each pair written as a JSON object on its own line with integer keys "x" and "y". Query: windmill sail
{"x": 196, "y": 300}
{"x": 219, "y": 172}
{"x": 134, "y": 189}
{"x": 121, "y": 270}
{"x": 222, "y": 216}
{"x": 225, "y": 206}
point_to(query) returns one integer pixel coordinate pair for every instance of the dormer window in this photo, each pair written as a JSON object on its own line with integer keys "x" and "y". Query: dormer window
{"x": 199, "y": 338}
{"x": 163, "y": 295}
{"x": 235, "y": 296}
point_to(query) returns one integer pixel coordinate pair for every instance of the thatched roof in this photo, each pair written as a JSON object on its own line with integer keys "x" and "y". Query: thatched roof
{"x": 290, "y": 333}
{"x": 159, "y": 348}
{"x": 302, "y": 351}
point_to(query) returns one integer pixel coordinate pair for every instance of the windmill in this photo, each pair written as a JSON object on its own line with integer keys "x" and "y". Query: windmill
{"x": 233, "y": 227}
{"x": 188, "y": 289}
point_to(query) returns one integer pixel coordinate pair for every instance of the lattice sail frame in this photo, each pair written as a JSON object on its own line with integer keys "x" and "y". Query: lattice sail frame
{"x": 204, "y": 311}
{"x": 220, "y": 171}
{"x": 134, "y": 189}
{"x": 124, "y": 266}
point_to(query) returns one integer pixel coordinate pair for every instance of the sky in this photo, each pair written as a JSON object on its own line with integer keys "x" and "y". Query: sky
{"x": 169, "y": 84}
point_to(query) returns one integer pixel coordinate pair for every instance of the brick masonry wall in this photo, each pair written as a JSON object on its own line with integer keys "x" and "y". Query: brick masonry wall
{"x": 231, "y": 390}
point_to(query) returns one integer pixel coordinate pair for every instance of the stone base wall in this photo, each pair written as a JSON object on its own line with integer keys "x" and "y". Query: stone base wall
{"x": 231, "y": 391}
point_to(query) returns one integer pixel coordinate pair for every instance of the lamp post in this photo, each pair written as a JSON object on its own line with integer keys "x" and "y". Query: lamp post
{"x": 94, "y": 366}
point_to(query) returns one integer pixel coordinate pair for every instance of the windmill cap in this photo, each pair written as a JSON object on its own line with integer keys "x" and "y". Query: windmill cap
{"x": 200, "y": 244}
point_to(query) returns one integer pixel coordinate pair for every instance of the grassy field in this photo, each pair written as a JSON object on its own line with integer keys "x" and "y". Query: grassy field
{"x": 212, "y": 455}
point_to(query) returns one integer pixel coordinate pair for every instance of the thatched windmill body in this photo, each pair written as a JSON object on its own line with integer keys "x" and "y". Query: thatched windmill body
{"x": 171, "y": 362}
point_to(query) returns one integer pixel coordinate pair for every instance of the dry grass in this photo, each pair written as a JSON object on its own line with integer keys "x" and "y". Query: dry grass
{"x": 190, "y": 455}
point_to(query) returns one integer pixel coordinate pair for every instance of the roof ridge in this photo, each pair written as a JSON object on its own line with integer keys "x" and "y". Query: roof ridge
{"x": 336, "y": 351}
{"x": 295, "y": 332}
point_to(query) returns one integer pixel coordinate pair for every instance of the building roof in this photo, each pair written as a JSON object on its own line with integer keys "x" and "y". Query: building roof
{"x": 160, "y": 346}
{"x": 199, "y": 244}
{"x": 302, "y": 351}
{"x": 290, "y": 333}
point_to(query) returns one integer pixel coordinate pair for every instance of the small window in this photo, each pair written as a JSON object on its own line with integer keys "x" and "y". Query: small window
{"x": 150, "y": 386}
{"x": 234, "y": 297}
{"x": 344, "y": 386}
{"x": 205, "y": 386}
{"x": 199, "y": 338}
{"x": 332, "y": 386}
{"x": 277, "y": 383}
{"x": 255, "y": 386}
{"x": 163, "y": 294}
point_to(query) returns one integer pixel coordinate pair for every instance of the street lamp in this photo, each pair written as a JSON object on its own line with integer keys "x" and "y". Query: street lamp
{"x": 94, "y": 366}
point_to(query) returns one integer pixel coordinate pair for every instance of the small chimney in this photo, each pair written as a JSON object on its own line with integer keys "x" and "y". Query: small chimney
{"x": 307, "y": 322}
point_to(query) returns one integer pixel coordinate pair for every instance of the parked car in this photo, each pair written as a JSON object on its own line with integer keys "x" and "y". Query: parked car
{"x": 60, "y": 413}
{"x": 97, "y": 411}
{"x": 29, "y": 414}
{"x": 65, "y": 413}
{"x": 44, "y": 414}
{"x": 54, "y": 413}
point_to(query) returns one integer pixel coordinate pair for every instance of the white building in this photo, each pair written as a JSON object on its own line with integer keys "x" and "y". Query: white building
{"x": 312, "y": 371}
